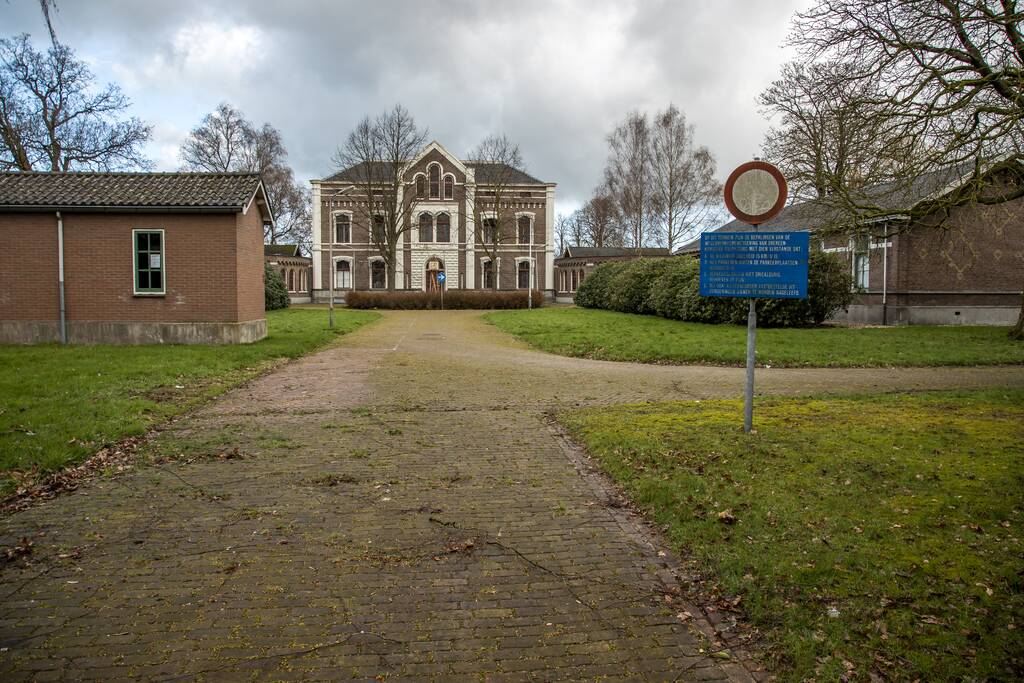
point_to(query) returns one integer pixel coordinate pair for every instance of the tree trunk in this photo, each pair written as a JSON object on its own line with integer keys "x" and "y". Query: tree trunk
{"x": 392, "y": 266}
{"x": 1017, "y": 332}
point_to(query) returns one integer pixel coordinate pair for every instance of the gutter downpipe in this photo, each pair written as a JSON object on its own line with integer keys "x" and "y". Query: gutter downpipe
{"x": 885, "y": 274}
{"x": 60, "y": 279}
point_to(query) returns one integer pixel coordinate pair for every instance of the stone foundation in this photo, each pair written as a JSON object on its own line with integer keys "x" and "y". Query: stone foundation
{"x": 871, "y": 314}
{"x": 36, "y": 332}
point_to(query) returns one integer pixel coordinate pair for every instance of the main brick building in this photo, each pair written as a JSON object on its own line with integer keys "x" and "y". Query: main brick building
{"x": 451, "y": 226}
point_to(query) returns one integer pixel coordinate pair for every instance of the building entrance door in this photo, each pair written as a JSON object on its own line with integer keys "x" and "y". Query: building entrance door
{"x": 433, "y": 269}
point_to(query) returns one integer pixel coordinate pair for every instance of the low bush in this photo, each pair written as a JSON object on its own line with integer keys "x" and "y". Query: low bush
{"x": 454, "y": 299}
{"x": 630, "y": 288}
{"x": 593, "y": 291}
{"x": 275, "y": 294}
{"x": 670, "y": 288}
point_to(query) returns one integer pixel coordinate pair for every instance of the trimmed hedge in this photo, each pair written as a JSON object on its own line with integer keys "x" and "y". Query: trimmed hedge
{"x": 454, "y": 299}
{"x": 275, "y": 294}
{"x": 670, "y": 288}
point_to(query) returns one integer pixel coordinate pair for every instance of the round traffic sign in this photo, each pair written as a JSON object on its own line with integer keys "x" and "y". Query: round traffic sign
{"x": 755, "y": 192}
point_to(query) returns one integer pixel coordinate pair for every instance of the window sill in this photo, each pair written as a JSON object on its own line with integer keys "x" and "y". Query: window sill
{"x": 150, "y": 295}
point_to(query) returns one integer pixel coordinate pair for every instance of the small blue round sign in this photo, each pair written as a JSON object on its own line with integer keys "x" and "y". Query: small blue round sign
{"x": 440, "y": 276}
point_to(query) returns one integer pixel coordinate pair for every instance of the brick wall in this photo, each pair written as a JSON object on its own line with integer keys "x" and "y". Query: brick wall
{"x": 213, "y": 268}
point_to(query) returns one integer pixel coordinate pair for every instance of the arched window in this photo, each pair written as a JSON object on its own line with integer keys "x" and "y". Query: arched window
{"x": 284, "y": 274}
{"x": 524, "y": 229}
{"x": 435, "y": 181}
{"x": 342, "y": 228}
{"x": 378, "y": 275}
{"x": 426, "y": 228}
{"x": 291, "y": 280}
{"x": 449, "y": 187}
{"x": 582, "y": 275}
{"x": 343, "y": 275}
{"x": 523, "y": 275}
{"x": 444, "y": 228}
{"x": 487, "y": 268}
{"x": 421, "y": 186}
{"x": 490, "y": 233}
{"x": 572, "y": 281}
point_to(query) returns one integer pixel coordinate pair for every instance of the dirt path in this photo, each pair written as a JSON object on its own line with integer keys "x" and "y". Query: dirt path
{"x": 398, "y": 507}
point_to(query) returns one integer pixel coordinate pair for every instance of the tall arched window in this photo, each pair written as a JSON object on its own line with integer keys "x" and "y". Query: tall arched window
{"x": 291, "y": 280}
{"x": 435, "y": 181}
{"x": 426, "y": 228}
{"x": 378, "y": 274}
{"x": 490, "y": 233}
{"x": 444, "y": 228}
{"x": 343, "y": 275}
{"x": 487, "y": 268}
{"x": 342, "y": 228}
{"x": 449, "y": 187}
{"x": 572, "y": 281}
{"x": 421, "y": 186}
{"x": 524, "y": 229}
{"x": 523, "y": 275}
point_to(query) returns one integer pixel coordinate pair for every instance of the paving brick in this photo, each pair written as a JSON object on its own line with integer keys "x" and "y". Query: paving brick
{"x": 466, "y": 545}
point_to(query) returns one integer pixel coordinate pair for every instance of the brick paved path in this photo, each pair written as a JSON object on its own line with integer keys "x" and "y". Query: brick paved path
{"x": 398, "y": 508}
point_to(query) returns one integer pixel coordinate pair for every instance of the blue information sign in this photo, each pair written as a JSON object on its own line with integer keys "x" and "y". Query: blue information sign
{"x": 440, "y": 276}
{"x": 762, "y": 265}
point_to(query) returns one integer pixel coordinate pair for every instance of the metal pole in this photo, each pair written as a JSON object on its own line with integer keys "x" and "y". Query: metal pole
{"x": 330, "y": 279}
{"x": 60, "y": 279}
{"x": 885, "y": 273}
{"x": 748, "y": 405}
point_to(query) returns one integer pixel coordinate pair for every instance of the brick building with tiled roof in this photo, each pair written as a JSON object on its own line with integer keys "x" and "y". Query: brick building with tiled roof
{"x": 132, "y": 257}
{"x": 576, "y": 263}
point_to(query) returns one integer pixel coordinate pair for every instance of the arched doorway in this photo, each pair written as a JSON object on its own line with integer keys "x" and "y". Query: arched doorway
{"x": 433, "y": 268}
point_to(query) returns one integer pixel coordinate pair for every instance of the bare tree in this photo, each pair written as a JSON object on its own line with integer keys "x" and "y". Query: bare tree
{"x": 836, "y": 131}
{"x": 218, "y": 144}
{"x": 377, "y": 153}
{"x": 952, "y": 73}
{"x": 683, "y": 178}
{"x": 600, "y": 222}
{"x": 951, "y": 68}
{"x": 225, "y": 141}
{"x": 497, "y": 161}
{"x": 52, "y": 118}
{"x": 629, "y": 177}
{"x": 563, "y": 231}
{"x": 45, "y": 6}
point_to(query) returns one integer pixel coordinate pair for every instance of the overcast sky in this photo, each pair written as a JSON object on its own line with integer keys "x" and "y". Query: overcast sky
{"x": 554, "y": 76}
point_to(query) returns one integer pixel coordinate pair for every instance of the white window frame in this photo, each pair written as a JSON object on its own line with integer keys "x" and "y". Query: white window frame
{"x": 434, "y": 218}
{"x": 533, "y": 221}
{"x": 440, "y": 180}
{"x": 351, "y": 271}
{"x": 334, "y": 226}
{"x": 369, "y": 273}
{"x": 497, "y": 272}
{"x": 163, "y": 264}
{"x": 445, "y": 177}
{"x": 531, "y": 273}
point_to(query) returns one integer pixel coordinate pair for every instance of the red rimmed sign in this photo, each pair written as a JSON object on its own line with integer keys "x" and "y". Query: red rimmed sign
{"x": 755, "y": 192}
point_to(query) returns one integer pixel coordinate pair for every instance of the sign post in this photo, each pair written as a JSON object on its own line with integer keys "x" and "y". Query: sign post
{"x": 752, "y": 265}
{"x": 440, "y": 283}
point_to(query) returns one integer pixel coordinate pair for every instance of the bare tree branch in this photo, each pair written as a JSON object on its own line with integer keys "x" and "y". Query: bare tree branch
{"x": 52, "y": 118}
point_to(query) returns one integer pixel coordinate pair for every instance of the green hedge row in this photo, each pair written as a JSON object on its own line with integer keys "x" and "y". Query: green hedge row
{"x": 670, "y": 288}
{"x": 453, "y": 299}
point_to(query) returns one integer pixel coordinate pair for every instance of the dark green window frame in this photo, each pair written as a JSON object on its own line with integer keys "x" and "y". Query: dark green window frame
{"x": 150, "y": 276}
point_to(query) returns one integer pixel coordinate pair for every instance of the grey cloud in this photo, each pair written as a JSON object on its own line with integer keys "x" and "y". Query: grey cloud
{"x": 554, "y": 76}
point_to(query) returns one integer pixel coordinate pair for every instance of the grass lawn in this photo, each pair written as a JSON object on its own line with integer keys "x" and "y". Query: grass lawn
{"x": 881, "y": 533}
{"x": 59, "y": 404}
{"x": 606, "y": 335}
